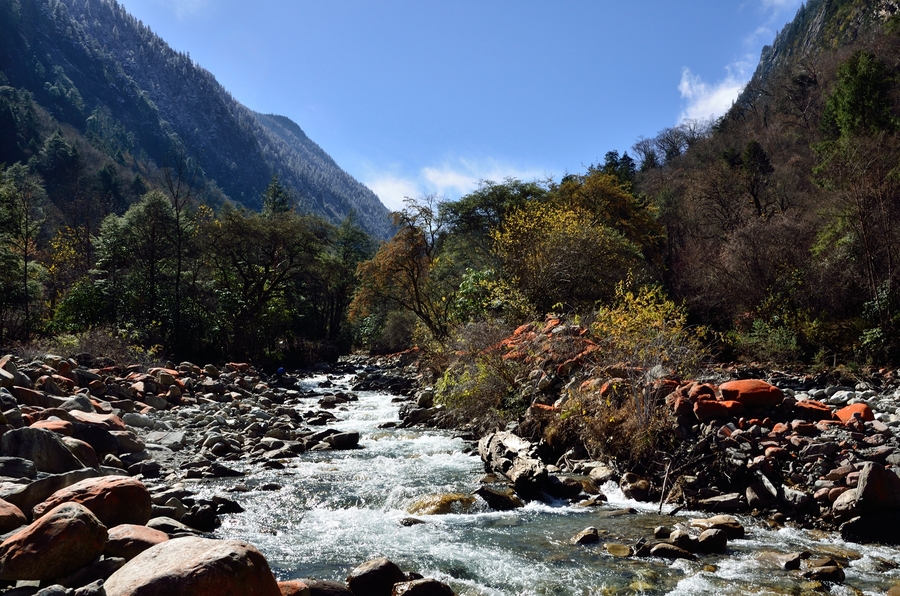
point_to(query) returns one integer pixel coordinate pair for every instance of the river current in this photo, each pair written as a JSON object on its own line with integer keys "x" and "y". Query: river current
{"x": 332, "y": 510}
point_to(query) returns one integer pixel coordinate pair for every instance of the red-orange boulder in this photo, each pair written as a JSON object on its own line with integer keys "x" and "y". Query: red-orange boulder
{"x": 107, "y": 421}
{"x": 60, "y": 427}
{"x": 11, "y": 517}
{"x": 66, "y": 539}
{"x": 846, "y": 414}
{"x": 130, "y": 540}
{"x": 114, "y": 499}
{"x": 707, "y": 409}
{"x": 753, "y": 393}
{"x": 195, "y": 567}
{"x": 293, "y": 588}
{"x": 811, "y": 409}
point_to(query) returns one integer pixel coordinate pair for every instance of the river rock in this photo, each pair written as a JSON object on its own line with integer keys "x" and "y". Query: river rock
{"x": 726, "y": 502}
{"x": 348, "y": 440}
{"x": 195, "y": 567}
{"x": 877, "y": 490}
{"x": 712, "y": 541}
{"x": 37, "y": 399}
{"x": 879, "y": 528}
{"x": 375, "y": 578}
{"x": 129, "y": 540}
{"x": 670, "y": 551}
{"x": 172, "y": 527}
{"x": 499, "y": 499}
{"x": 114, "y": 500}
{"x": 11, "y": 517}
{"x": 422, "y": 587}
{"x": 319, "y": 587}
{"x": 66, "y": 539}
{"x": 99, "y": 438}
{"x": 294, "y": 587}
{"x": 589, "y": 535}
{"x": 442, "y": 504}
{"x": 26, "y": 496}
{"x": 84, "y": 452}
{"x": 43, "y": 447}
{"x": 752, "y": 393}
{"x": 17, "y": 467}
{"x": 830, "y": 573}
{"x": 848, "y": 413}
{"x": 728, "y": 524}
{"x": 634, "y": 486}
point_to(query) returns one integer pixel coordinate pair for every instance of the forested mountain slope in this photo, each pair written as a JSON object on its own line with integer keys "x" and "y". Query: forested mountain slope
{"x": 96, "y": 68}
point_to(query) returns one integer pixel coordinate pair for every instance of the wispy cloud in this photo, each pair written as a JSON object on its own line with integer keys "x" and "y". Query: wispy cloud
{"x": 711, "y": 100}
{"x": 184, "y": 9}
{"x": 448, "y": 180}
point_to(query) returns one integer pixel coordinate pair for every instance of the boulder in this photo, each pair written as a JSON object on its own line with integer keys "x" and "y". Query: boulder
{"x": 84, "y": 452}
{"x": 589, "y": 535}
{"x": 107, "y": 421}
{"x": 422, "y": 587}
{"x": 753, "y": 393}
{"x": 127, "y": 441}
{"x": 17, "y": 467}
{"x": 36, "y": 399}
{"x": 883, "y": 528}
{"x": 500, "y": 499}
{"x": 66, "y": 539}
{"x": 318, "y": 587}
{"x": 348, "y": 440}
{"x": 707, "y": 409}
{"x": 130, "y": 540}
{"x": 114, "y": 500}
{"x": 442, "y": 504}
{"x": 811, "y": 409}
{"x": 375, "y": 578}
{"x": 670, "y": 551}
{"x": 195, "y": 567}
{"x": 726, "y": 502}
{"x": 634, "y": 487}
{"x": 712, "y": 541}
{"x": 43, "y": 447}
{"x": 26, "y": 496}
{"x": 11, "y": 517}
{"x": 862, "y": 411}
{"x": 877, "y": 490}
{"x": 294, "y": 588}
{"x": 728, "y": 524}
{"x": 99, "y": 438}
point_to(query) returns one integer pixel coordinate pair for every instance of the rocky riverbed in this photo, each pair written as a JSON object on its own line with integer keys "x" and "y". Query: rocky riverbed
{"x": 116, "y": 479}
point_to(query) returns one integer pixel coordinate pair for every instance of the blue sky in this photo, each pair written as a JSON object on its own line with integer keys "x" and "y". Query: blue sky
{"x": 416, "y": 97}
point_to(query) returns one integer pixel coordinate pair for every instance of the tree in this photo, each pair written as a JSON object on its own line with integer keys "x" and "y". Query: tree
{"x": 407, "y": 271}
{"x": 180, "y": 177}
{"x": 276, "y": 199}
{"x": 563, "y": 255}
{"x": 860, "y": 103}
{"x": 22, "y": 199}
{"x": 256, "y": 261}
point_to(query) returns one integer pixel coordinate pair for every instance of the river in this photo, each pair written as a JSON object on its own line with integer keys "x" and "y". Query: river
{"x": 336, "y": 509}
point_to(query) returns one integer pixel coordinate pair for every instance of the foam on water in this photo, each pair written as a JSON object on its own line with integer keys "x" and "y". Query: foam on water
{"x": 338, "y": 509}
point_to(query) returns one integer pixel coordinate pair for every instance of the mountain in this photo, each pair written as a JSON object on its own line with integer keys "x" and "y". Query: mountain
{"x": 95, "y": 68}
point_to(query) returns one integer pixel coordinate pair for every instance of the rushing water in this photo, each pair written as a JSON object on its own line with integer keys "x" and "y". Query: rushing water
{"x": 336, "y": 509}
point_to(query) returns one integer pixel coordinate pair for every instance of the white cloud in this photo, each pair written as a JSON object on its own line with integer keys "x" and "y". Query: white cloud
{"x": 448, "y": 180}
{"x": 706, "y": 100}
{"x": 187, "y": 8}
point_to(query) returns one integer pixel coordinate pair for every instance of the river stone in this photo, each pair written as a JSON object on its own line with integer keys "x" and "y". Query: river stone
{"x": 11, "y": 517}
{"x": 728, "y": 524}
{"x": 17, "y": 467}
{"x": 753, "y": 393}
{"x": 712, "y": 541}
{"x": 37, "y": 399}
{"x": 670, "y": 551}
{"x": 128, "y": 441}
{"x": 442, "y": 504}
{"x": 66, "y": 539}
{"x": 130, "y": 540}
{"x": 634, "y": 486}
{"x": 25, "y": 497}
{"x": 878, "y": 489}
{"x": 294, "y": 587}
{"x": 172, "y": 527}
{"x": 499, "y": 499}
{"x": 422, "y": 587}
{"x": 97, "y": 437}
{"x": 618, "y": 550}
{"x": 347, "y": 440}
{"x": 727, "y": 502}
{"x": 602, "y": 474}
{"x": 318, "y": 587}
{"x": 43, "y": 447}
{"x": 830, "y": 573}
{"x": 84, "y": 452}
{"x": 114, "y": 500}
{"x": 881, "y": 528}
{"x": 589, "y": 535}
{"x": 375, "y": 578}
{"x": 195, "y": 567}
